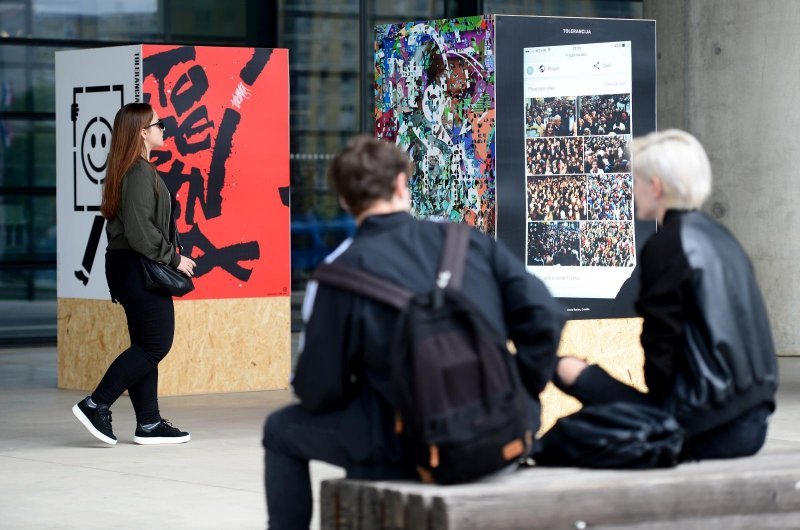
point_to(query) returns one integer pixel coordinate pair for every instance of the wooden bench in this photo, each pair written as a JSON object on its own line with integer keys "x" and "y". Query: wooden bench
{"x": 756, "y": 493}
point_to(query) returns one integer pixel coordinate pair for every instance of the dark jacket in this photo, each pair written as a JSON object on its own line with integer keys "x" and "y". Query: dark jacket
{"x": 709, "y": 354}
{"x": 344, "y": 361}
{"x": 144, "y": 217}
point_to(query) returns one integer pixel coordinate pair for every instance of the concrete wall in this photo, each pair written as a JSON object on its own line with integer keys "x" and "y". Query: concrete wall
{"x": 727, "y": 73}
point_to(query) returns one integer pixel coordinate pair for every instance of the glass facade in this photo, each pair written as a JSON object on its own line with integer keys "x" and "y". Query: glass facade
{"x": 327, "y": 86}
{"x": 330, "y": 46}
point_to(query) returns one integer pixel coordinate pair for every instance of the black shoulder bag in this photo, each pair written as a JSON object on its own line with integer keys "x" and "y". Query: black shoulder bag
{"x": 615, "y": 435}
{"x": 164, "y": 279}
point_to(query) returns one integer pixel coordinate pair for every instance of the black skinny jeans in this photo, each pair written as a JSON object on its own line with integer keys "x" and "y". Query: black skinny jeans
{"x": 294, "y": 436}
{"x": 742, "y": 436}
{"x": 151, "y": 326}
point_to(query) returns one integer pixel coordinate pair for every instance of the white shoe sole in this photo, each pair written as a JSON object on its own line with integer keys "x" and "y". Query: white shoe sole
{"x": 91, "y": 428}
{"x": 143, "y": 440}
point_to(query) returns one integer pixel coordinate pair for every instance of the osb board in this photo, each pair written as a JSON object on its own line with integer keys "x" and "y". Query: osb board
{"x": 231, "y": 345}
{"x": 613, "y": 344}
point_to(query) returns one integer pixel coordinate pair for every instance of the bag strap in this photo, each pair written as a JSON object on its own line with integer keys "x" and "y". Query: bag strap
{"x": 363, "y": 283}
{"x": 451, "y": 272}
{"x": 454, "y": 256}
{"x": 174, "y": 236}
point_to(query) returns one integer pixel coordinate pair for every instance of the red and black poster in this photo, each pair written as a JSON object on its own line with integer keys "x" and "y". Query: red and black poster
{"x": 226, "y": 162}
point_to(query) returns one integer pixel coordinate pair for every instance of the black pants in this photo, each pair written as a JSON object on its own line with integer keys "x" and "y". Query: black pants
{"x": 743, "y": 436}
{"x": 151, "y": 326}
{"x": 293, "y": 437}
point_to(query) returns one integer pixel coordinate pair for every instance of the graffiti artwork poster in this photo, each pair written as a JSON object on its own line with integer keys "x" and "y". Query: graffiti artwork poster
{"x": 226, "y": 162}
{"x": 434, "y": 97}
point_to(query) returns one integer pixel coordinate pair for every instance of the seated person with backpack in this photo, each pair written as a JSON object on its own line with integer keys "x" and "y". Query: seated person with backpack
{"x": 709, "y": 358}
{"x": 386, "y": 389}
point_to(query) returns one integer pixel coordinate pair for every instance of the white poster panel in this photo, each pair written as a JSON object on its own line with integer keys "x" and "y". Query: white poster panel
{"x": 91, "y": 85}
{"x": 579, "y": 187}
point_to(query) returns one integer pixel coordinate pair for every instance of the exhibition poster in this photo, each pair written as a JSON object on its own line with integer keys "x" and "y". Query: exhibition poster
{"x": 434, "y": 97}
{"x": 578, "y": 185}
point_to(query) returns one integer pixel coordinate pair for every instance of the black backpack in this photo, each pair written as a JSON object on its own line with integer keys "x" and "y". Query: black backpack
{"x": 461, "y": 407}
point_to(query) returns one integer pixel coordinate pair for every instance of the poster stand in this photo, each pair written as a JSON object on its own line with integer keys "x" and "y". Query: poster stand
{"x": 226, "y": 116}
{"x": 521, "y": 127}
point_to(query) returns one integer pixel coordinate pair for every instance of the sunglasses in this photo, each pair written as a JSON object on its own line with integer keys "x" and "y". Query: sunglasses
{"x": 159, "y": 124}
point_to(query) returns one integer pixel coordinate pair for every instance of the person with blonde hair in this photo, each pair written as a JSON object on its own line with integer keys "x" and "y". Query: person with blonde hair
{"x": 709, "y": 357}
{"x": 138, "y": 207}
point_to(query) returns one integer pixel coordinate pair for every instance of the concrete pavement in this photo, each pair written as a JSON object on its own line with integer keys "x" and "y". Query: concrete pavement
{"x": 53, "y": 474}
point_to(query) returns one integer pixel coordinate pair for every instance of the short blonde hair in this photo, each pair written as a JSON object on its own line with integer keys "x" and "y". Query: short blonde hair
{"x": 679, "y": 160}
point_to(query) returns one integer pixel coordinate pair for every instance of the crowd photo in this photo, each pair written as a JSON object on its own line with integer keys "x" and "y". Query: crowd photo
{"x": 553, "y": 156}
{"x": 607, "y": 244}
{"x": 609, "y": 197}
{"x": 603, "y": 115}
{"x": 553, "y": 244}
{"x": 557, "y": 198}
{"x": 579, "y": 187}
{"x": 550, "y": 117}
{"x": 607, "y": 154}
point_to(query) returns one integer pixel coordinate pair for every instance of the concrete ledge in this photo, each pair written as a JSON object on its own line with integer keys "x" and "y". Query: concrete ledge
{"x": 757, "y": 492}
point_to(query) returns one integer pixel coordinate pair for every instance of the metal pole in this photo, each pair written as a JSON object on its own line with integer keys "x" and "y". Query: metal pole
{"x": 365, "y": 59}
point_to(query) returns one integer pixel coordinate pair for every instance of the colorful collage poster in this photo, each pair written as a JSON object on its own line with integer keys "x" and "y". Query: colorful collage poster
{"x": 434, "y": 97}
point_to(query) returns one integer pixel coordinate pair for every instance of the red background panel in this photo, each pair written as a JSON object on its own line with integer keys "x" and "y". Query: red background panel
{"x": 252, "y": 210}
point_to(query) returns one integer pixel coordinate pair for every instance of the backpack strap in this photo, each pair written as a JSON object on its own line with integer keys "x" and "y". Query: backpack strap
{"x": 451, "y": 272}
{"x": 454, "y": 255}
{"x": 363, "y": 283}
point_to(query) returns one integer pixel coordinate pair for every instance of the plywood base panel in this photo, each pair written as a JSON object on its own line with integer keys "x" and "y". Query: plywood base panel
{"x": 232, "y": 345}
{"x": 243, "y": 345}
{"x": 613, "y": 344}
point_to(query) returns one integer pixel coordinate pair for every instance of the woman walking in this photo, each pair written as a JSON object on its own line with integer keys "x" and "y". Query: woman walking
{"x": 137, "y": 205}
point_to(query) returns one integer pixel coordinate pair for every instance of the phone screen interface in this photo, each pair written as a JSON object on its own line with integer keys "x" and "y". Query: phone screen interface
{"x": 578, "y": 185}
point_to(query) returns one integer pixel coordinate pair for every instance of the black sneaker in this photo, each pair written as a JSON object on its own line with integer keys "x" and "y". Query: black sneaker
{"x": 97, "y": 420}
{"x": 162, "y": 433}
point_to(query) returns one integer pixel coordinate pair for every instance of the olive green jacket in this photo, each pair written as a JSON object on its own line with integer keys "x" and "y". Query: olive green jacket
{"x": 143, "y": 220}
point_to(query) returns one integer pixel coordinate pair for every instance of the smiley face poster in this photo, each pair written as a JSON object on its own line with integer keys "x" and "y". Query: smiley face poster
{"x": 225, "y": 160}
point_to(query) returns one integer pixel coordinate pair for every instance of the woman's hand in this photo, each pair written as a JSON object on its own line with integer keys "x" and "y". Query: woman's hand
{"x": 187, "y": 266}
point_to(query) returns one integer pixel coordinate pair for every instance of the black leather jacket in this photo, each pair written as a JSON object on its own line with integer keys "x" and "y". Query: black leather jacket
{"x": 709, "y": 354}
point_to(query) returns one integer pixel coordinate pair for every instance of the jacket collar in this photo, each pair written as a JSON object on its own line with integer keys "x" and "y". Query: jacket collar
{"x": 378, "y": 223}
{"x": 673, "y": 215}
